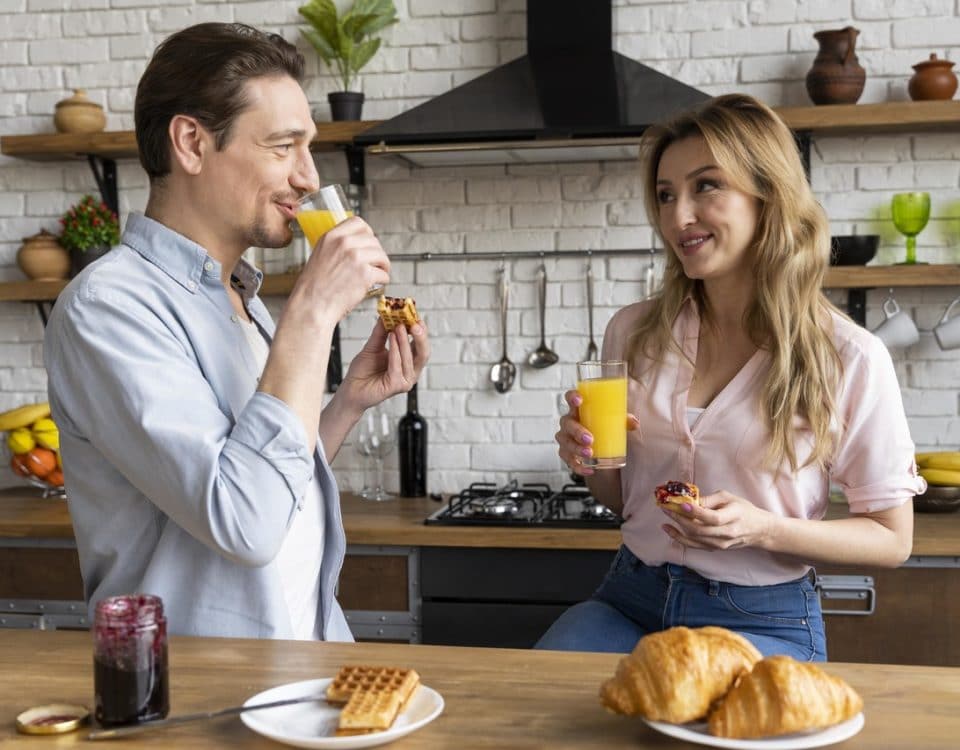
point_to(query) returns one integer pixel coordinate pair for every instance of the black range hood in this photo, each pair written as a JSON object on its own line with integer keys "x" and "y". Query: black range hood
{"x": 570, "y": 96}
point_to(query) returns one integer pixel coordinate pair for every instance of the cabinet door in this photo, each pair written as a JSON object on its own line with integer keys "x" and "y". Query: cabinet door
{"x": 916, "y": 619}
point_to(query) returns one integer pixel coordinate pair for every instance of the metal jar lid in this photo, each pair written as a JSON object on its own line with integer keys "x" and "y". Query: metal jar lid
{"x": 54, "y": 718}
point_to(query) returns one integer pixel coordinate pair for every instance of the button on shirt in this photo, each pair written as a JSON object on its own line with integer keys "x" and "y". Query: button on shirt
{"x": 723, "y": 448}
{"x": 183, "y": 480}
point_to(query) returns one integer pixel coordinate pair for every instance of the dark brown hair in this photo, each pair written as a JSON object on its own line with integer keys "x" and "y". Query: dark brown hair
{"x": 201, "y": 71}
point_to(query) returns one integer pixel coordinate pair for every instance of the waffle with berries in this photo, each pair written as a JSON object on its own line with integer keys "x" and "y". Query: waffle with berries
{"x": 677, "y": 493}
{"x": 396, "y": 310}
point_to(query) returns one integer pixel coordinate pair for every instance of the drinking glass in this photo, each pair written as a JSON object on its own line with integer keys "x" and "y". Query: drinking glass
{"x": 376, "y": 438}
{"x": 319, "y": 212}
{"x": 602, "y": 386}
{"x": 911, "y": 212}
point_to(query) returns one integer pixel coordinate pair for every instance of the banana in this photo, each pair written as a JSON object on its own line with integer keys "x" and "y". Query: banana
{"x": 23, "y": 416}
{"x": 945, "y": 460}
{"x": 941, "y": 477}
{"x": 45, "y": 432}
{"x": 20, "y": 440}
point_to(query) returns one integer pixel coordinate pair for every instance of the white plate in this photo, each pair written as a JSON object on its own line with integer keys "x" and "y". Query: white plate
{"x": 301, "y": 725}
{"x": 697, "y": 732}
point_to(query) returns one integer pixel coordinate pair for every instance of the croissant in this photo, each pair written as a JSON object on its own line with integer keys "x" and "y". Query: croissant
{"x": 782, "y": 695}
{"x": 675, "y": 675}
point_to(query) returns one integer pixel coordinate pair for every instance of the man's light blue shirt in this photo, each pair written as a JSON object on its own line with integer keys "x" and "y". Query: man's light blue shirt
{"x": 182, "y": 479}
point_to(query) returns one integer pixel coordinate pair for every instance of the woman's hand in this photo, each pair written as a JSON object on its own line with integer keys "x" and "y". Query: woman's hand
{"x": 574, "y": 440}
{"x": 380, "y": 371}
{"x": 724, "y": 521}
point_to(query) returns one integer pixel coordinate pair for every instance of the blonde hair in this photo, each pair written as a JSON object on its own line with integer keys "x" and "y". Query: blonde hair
{"x": 788, "y": 315}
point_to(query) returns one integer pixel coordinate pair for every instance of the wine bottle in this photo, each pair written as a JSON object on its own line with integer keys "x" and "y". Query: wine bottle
{"x": 412, "y": 444}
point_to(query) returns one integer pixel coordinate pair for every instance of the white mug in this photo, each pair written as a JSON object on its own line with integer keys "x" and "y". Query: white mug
{"x": 948, "y": 329}
{"x": 898, "y": 329}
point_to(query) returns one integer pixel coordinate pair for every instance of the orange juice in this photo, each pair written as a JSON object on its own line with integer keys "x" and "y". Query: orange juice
{"x": 317, "y": 222}
{"x": 604, "y": 413}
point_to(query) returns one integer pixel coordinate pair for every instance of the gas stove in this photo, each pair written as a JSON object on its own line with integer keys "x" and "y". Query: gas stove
{"x": 513, "y": 504}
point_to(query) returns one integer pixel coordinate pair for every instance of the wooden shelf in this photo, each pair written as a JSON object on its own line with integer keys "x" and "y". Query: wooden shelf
{"x": 845, "y": 277}
{"x": 122, "y": 144}
{"x": 885, "y": 117}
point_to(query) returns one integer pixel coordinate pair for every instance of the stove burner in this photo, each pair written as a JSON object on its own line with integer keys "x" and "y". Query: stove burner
{"x": 514, "y": 504}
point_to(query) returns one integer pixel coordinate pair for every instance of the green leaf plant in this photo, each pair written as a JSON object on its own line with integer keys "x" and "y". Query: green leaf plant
{"x": 346, "y": 42}
{"x": 89, "y": 223}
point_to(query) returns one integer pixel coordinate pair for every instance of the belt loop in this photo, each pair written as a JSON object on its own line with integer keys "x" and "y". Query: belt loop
{"x": 714, "y": 588}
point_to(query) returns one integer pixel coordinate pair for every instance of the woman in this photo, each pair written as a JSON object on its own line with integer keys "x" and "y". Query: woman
{"x": 746, "y": 381}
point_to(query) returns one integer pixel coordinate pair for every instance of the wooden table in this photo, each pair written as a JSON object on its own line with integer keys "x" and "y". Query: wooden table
{"x": 495, "y": 698}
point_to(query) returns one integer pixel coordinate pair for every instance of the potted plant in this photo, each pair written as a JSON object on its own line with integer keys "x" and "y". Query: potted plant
{"x": 89, "y": 230}
{"x": 346, "y": 43}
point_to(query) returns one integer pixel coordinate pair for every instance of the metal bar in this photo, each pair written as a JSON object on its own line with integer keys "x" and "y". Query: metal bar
{"x": 105, "y": 173}
{"x": 857, "y": 305}
{"x": 539, "y": 254}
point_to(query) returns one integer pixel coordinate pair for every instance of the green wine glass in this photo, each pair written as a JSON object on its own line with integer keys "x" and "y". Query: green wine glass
{"x": 911, "y": 212}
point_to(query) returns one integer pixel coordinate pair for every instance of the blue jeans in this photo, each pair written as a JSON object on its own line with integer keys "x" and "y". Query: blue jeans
{"x": 635, "y": 599}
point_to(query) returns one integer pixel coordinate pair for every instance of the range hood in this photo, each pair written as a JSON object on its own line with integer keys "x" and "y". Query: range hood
{"x": 571, "y": 97}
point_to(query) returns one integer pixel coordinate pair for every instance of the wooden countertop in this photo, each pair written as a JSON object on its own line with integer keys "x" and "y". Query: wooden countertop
{"x": 24, "y": 514}
{"x": 495, "y": 698}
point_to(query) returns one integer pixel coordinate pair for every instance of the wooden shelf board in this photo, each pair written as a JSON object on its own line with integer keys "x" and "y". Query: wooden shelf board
{"x": 122, "y": 144}
{"x": 838, "y": 277}
{"x": 887, "y": 117}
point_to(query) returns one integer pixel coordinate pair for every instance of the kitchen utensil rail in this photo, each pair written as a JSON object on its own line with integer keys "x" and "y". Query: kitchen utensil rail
{"x": 524, "y": 254}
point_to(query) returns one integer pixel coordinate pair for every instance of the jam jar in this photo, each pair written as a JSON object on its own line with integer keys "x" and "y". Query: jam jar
{"x": 130, "y": 660}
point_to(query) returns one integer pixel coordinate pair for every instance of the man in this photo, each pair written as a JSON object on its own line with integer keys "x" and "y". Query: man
{"x": 194, "y": 441}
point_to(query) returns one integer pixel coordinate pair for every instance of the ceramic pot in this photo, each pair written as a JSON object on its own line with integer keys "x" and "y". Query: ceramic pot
{"x": 80, "y": 259}
{"x": 836, "y": 76}
{"x": 933, "y": 79}
{"x": 43, "y": 258}
{"x": 345, "y": 105}
{"x": 79, "y": 115}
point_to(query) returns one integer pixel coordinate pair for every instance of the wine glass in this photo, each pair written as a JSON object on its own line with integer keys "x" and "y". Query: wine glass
{"x": 376, "y": 438}
{"x": 911, "y": 212}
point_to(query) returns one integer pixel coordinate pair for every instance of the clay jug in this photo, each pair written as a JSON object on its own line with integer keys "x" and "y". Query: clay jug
{"x": 836, "y": 76}
{"x": 43, "y": 258}
{"x": 933, "y": 79}
{"x": 78, "y": 114}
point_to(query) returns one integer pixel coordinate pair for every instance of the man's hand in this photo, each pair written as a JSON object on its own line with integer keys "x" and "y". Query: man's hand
{"x": 389, "y": 363}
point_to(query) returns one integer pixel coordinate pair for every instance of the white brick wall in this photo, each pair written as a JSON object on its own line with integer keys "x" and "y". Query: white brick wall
{"x": 764, "y": 47}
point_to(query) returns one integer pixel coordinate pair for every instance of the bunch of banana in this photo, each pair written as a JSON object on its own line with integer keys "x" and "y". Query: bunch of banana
{"x": 940, "y": 468}
{"x": 34, "y": 441}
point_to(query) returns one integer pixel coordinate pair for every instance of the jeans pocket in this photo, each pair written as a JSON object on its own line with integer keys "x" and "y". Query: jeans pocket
{"x": 782, "y": 603}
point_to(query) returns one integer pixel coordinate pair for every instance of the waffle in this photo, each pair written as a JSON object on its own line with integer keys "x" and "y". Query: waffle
{"x": 396, "y": 310}
{"x": 373, "y": 696}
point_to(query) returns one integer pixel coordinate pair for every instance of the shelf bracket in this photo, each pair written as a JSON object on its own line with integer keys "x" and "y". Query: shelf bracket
{"x": 105, "y": 173}
{"x": 41, "y": 308}
{"x": 857, "y": 305}
{"x": 804, "y": 140}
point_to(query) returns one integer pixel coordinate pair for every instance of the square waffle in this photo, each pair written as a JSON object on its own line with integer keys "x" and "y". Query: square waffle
{"x": 373, "y": 696}
{"x": 396, "y": 310}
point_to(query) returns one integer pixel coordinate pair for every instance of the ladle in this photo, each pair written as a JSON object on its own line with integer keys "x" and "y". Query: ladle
{"x": 543, "y": 356}
{"x": 504, "y": 372}
{"x": 592, "y": 346}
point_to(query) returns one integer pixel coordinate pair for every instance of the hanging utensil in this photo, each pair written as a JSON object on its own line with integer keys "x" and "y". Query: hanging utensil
{"x": 543, "y": 356}
{"x": 504, "y": 372}
{"x": 649, "y": 276}
{"x": 592, "y": 350}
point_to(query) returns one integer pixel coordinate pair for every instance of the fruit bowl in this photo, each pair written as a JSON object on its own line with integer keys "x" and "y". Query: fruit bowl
{"x": 938, "y": 500}
{"x": 33, "y": 442}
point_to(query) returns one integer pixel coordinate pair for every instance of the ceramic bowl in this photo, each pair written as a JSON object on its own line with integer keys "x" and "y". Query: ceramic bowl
{"x": 938, "y": 500}
{"x": 853, "y": 249}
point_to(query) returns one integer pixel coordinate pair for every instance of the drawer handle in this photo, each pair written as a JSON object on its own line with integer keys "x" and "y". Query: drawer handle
{"x": 850, "y": 588}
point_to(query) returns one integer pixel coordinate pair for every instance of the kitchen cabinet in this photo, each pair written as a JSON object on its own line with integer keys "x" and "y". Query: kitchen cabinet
{"x": 913, "y": 618}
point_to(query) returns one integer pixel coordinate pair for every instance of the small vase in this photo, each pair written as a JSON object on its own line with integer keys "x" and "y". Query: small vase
{"x": 43, "y": 258}
{"x": 345, "y": 105}
{"x": 79, "y": 115}
{"x": 836, "y": 76}
{"x": 933, "y": 80}
{"x": 80, "y": 259}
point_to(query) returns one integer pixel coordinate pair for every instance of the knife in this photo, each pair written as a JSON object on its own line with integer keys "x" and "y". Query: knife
{"x": 109, "y": 734}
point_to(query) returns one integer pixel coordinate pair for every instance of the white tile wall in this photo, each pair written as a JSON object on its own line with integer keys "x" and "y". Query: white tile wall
{"x": 762, "y": 47}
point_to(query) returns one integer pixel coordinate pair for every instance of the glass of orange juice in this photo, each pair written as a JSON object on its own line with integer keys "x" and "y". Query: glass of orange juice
{"x": 319, "y": 212}
{"x": 602, "y": 386}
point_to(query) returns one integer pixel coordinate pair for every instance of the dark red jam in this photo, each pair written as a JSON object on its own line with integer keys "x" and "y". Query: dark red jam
{"x": 130, "y": 660}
